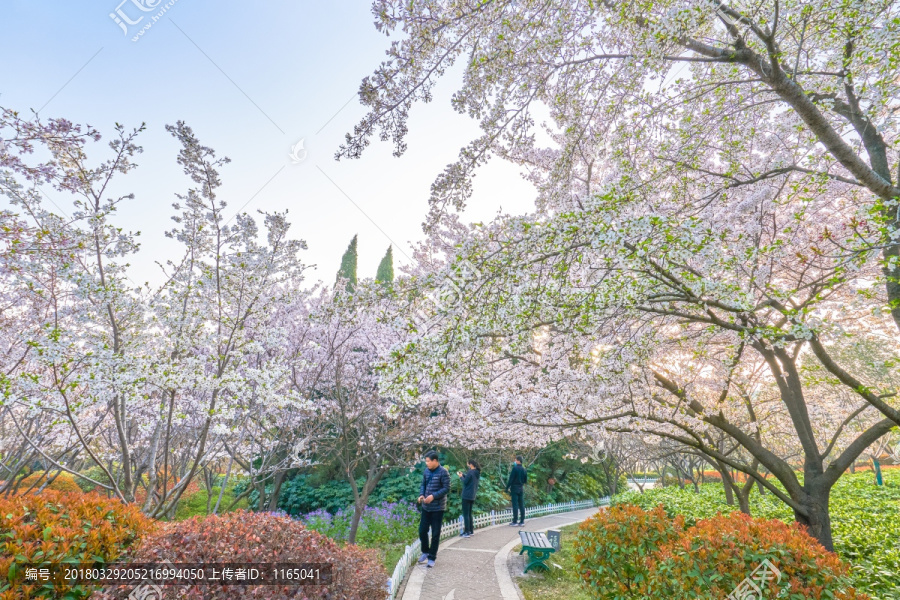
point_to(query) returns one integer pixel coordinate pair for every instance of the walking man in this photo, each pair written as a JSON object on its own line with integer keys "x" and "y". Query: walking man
{"x": 515, "y": 487}
{"x": 469, "y": 489}
{"x": 433, "y": 497}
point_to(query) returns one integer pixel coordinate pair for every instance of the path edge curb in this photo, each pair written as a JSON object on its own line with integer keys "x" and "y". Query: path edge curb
{"x": 508, "y": 588}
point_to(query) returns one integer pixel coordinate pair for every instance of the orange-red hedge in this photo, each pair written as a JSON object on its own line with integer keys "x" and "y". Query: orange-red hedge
{"x": 712, "y": 558}
{"x": 53, "y": 526}
{"x": 611, "y": 548}
{"x": 626, "y": 552}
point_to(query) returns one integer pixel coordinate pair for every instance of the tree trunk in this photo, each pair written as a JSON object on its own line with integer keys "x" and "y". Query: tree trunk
{"x": 743, "y": 495}
{"x": 818, "y": 521}
{"x": 729, "y": 491}
{"x": 373, "y": 476}
{"x": 358, "y": 509}
{"x": 276, "y": 490}
{"x": 744, "y": 492}
{"x": 261, "y": 488}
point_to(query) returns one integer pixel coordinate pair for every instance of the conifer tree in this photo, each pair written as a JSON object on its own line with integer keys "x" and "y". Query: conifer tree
{"x": 385, "y": 272}
{"x": 348, "y": 266}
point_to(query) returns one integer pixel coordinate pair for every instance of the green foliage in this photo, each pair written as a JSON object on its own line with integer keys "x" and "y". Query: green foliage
{"x": 320, "y": 489}
{"x": 348, "y": 266}
{"x": 385, "y": 272}
{"x": 574, "y": 480}
{"x": 97, "y": 474}
{"x": 865, "y": 521}
{"x": 304, "y": 493}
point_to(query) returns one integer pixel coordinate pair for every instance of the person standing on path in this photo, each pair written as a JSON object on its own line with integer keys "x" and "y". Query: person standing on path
{"x": 515, "y": 487}
{"x": 433, "y": 497}
{"x": 469, "y": 489}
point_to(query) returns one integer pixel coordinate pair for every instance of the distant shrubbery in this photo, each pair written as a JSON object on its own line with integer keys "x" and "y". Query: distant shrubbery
{"x": 62, "y": 482}
{"x": 573, "y": 480}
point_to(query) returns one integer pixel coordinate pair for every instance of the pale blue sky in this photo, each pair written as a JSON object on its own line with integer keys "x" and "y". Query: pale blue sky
{"x": 252, "y": 79}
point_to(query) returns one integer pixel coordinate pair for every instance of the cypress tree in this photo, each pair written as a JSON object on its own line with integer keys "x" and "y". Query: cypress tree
{"x": 385, "y": 272}
{"x": 348, "y": 266}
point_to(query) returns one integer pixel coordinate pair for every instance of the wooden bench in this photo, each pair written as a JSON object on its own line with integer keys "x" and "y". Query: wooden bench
{"x": 539, "y": 549}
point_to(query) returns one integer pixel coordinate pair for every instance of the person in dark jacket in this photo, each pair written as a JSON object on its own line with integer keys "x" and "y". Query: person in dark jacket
{"x": 515, "y": 487}
{"x": 469, "y": 489}
{"x": 433, "y": 497}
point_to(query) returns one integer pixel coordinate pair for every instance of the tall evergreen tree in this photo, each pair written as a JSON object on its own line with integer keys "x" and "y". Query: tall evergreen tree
{"x": 348, "y": 266}
{"x": 385, "y": 272}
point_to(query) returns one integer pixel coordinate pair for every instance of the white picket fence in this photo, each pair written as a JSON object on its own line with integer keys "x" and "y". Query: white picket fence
{"x": 643, "y": 480}
{"x": 453, "y": 528}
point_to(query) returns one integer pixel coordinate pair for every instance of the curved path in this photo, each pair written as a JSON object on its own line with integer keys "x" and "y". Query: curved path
{"x": 476, "y": 568}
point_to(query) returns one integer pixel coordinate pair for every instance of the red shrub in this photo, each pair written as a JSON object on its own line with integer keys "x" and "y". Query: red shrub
{"x": 244, "y": 537}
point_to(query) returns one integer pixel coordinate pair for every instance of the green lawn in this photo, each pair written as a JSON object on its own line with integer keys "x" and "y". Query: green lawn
{"x": 389, "y": 553}
{"x": 557, "y": 583}
{"x": 195, "y": 504}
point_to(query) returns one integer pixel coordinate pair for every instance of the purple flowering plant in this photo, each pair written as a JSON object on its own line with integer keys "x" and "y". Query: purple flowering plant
{"x": 385, "y": 523}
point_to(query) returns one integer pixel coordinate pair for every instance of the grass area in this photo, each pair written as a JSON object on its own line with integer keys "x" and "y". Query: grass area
{"x": 195, "y": 504}
{"x": 557, "y": 583}
{"x": 389, "y": 554}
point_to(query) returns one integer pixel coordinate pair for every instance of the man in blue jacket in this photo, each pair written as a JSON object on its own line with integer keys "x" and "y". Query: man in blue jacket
{"x": 433, "y": 497}
{"x": 515, "y": 487}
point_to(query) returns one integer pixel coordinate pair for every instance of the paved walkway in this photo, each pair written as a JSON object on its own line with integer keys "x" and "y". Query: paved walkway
{"x": 476, "y": 568}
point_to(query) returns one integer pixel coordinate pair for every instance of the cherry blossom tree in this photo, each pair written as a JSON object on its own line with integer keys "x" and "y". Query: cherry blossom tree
{"x": 215, "y": 311}
{"x": 700, "y": 101}
{"x": 147, "y": 385}
{"x": 716, "y": 220}
{"x": 690, "y": 328}
{"x": 341, "y": 341}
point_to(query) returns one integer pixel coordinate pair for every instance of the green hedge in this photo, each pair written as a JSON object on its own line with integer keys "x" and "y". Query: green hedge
{"x": 323, "y": 489}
